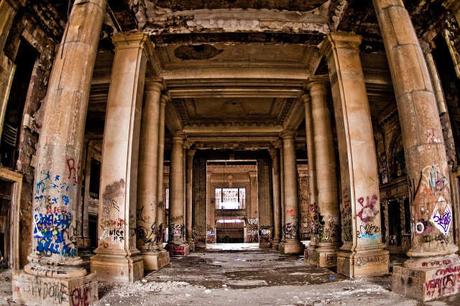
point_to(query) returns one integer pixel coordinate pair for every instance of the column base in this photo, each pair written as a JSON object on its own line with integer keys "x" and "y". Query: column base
{"x": 154, "y": 261}
{"x": 118, "y": 268}
{"x": 178, "y": 249}
{"x": 275, "y": 244}
{"x": 191, "y": 243}
{"x": 41, "y": 290}
{"x": 323, "y": 256}
{"x": 428, "y": 278}
{"x": 293, "y": 247}
{"x": 265, "y": 245}
{"x": 363, "y": 263}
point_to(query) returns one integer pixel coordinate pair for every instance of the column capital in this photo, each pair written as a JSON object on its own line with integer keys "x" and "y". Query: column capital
{"x": 154, "y": 84}
{"x": 340, "y": 40}
{"x": 305, "y": 98}
{"x": 317, "y": 85}
{"x": 178, "y": 138}
{"x": 288, "y": 134}
{"x": 130, "y": 40}
{"x": 191, "y": 153}
{"x": 165, "y": 98}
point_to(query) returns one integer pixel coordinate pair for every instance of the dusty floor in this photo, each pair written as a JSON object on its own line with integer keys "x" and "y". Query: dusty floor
{"x": 247, "y": 276}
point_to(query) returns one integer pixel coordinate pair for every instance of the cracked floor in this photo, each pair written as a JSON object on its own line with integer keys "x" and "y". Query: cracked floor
{"x": 245, "y": 276}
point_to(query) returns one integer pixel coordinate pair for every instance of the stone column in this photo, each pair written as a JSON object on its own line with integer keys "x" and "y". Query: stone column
{"x": 253, "y": 220}
{"x": 147, "y": 229}
{"x": 432, "y": 248}
{"x": 276, "y": 199}
{"x": 177, "y": 244}
{"x": 327, "y": 238}
{"x": 190, "y": 155}
{"x": 313, "y": 207}
{"x": 265, "y": 203}
{"x": 117, "y": 258}
{"x": 362, "y": 252}
{"x": 53, "y": 260}
{"x": 292, "y": 243}
{"x": 161, "y": 212}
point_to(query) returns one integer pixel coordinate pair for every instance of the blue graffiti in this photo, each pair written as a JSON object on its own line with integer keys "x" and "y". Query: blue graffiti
{"x": 52, "y": 189}
{"x": 51, "y": 233}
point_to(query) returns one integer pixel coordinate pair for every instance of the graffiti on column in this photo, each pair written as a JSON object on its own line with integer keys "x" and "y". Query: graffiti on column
{"x": 290, "y": 230}
{"x": 305, "y": 229}
{"x": 177, "y": 232}
{"x": 432, "y": 209}
{"x": 147, "y": 234}
{"x": 368, "y": 209}
{"x": 252, "y": 230}
{"x": 112, "y": 227}
{"x": 345, "y": 212}
{"x": 52, "y": 218}
{"x": 211, "y": 235}
{"x": 328, "y": 228}
{"x": 265, "y": 233}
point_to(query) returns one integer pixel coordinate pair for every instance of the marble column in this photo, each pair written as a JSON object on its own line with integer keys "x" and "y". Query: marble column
{"x": 327, "y": 238}
{"x": 161, "y": 212}
{"x": 433, "y": 248}
{"x": 362, "y": 252}
{"x": 146, "y": 228}
{"x": 292, "y": 243}
{"x": 117, "y": 259}
{"x": 53, "y": 258}
{"x": 177, "y": 244}
{"x": 313, "y": 206}
{"x": 276, "y": 198}
{"x": 189, "y": 208}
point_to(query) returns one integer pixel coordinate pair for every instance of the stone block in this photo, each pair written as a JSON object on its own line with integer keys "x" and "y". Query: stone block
{"x": 178, "y": 249}
{"x": 117, "y": 268}
{"x": 436, "y": 278}
{"x": 293, "y": 247}
{"x": 154, "y": 261}
{"x": 321, "y": 258}
{"x": 363, "y": 263}
{"x": 30, "y": 289}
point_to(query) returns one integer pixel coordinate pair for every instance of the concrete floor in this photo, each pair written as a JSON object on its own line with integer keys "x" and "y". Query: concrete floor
{"x": 241, "y": 275}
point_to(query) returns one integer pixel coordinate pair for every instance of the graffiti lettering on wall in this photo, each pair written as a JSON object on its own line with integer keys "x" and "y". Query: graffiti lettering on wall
{"x": 369, "y": 231}
{"x": 375, "y": 259}
{"x": 265, "y": 233}
{"x": 113, "y": 230}
{"x": 290, "y": 230}
{"x": 253, "y": 221}
{"x": 434, "y": 213}
{"x": 81, "y": 296}
{"x": 73, "y": 170}
{"x": 55, "y": 292}
{"x": 52, "y": 219}
{"x": 436, "y": 263}
{"x": 369, "y": 210}
{"x": 110, "y": 195}
{"x": 252, "y": 235}
{"x": 444, "y": 282}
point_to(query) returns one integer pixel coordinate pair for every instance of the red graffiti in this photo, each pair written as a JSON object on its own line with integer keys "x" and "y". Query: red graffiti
{"x": 290, "y": 212}
{"x": 81, "y": 296}
{"x": 369, "y": 210}
{"x": 72, "y": 168}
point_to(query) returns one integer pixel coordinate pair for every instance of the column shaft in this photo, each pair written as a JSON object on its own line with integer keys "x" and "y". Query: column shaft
{"x": 276, "y": 199}
{"x": 189, "y": 222}
{"x": 328, "y": 232}
{"x": 425, "y": 155}
{"x": 362, "y": 252}
{"x": 265, "y": 204}
{"x": 177, "y": 242}
{"x": 161, "y": 212}
{"x": 117, "y": 258}
{"x": 292, "y": 244}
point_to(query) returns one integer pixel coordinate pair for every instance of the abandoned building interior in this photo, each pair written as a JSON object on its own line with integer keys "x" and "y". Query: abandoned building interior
{"x": 136, "y": 132}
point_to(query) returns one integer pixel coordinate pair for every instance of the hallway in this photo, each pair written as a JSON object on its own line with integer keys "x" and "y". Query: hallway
{"x": 251, "y": 277}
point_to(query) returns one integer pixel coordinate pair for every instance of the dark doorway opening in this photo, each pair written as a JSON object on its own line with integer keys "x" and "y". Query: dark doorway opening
{"x": 25, "y": 61}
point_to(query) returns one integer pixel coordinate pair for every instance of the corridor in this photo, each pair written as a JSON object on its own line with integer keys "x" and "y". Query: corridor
{"x": 224, "y": 275}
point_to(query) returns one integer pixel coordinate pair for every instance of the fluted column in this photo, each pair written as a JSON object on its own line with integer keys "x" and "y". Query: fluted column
{"x": 190, "y": 155}
{"x": 362, "y": 251}
{"x": 292, "y": 243}
{"x": 161, "y": 212}
{"x": 57, "y": 181}
{"x": 177, "y": 244}
{"x": 117, "y": 258}
{"x": 425, "y": 154}
{"x": 276, "y": 198}
{"x": 328, "y": 234}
